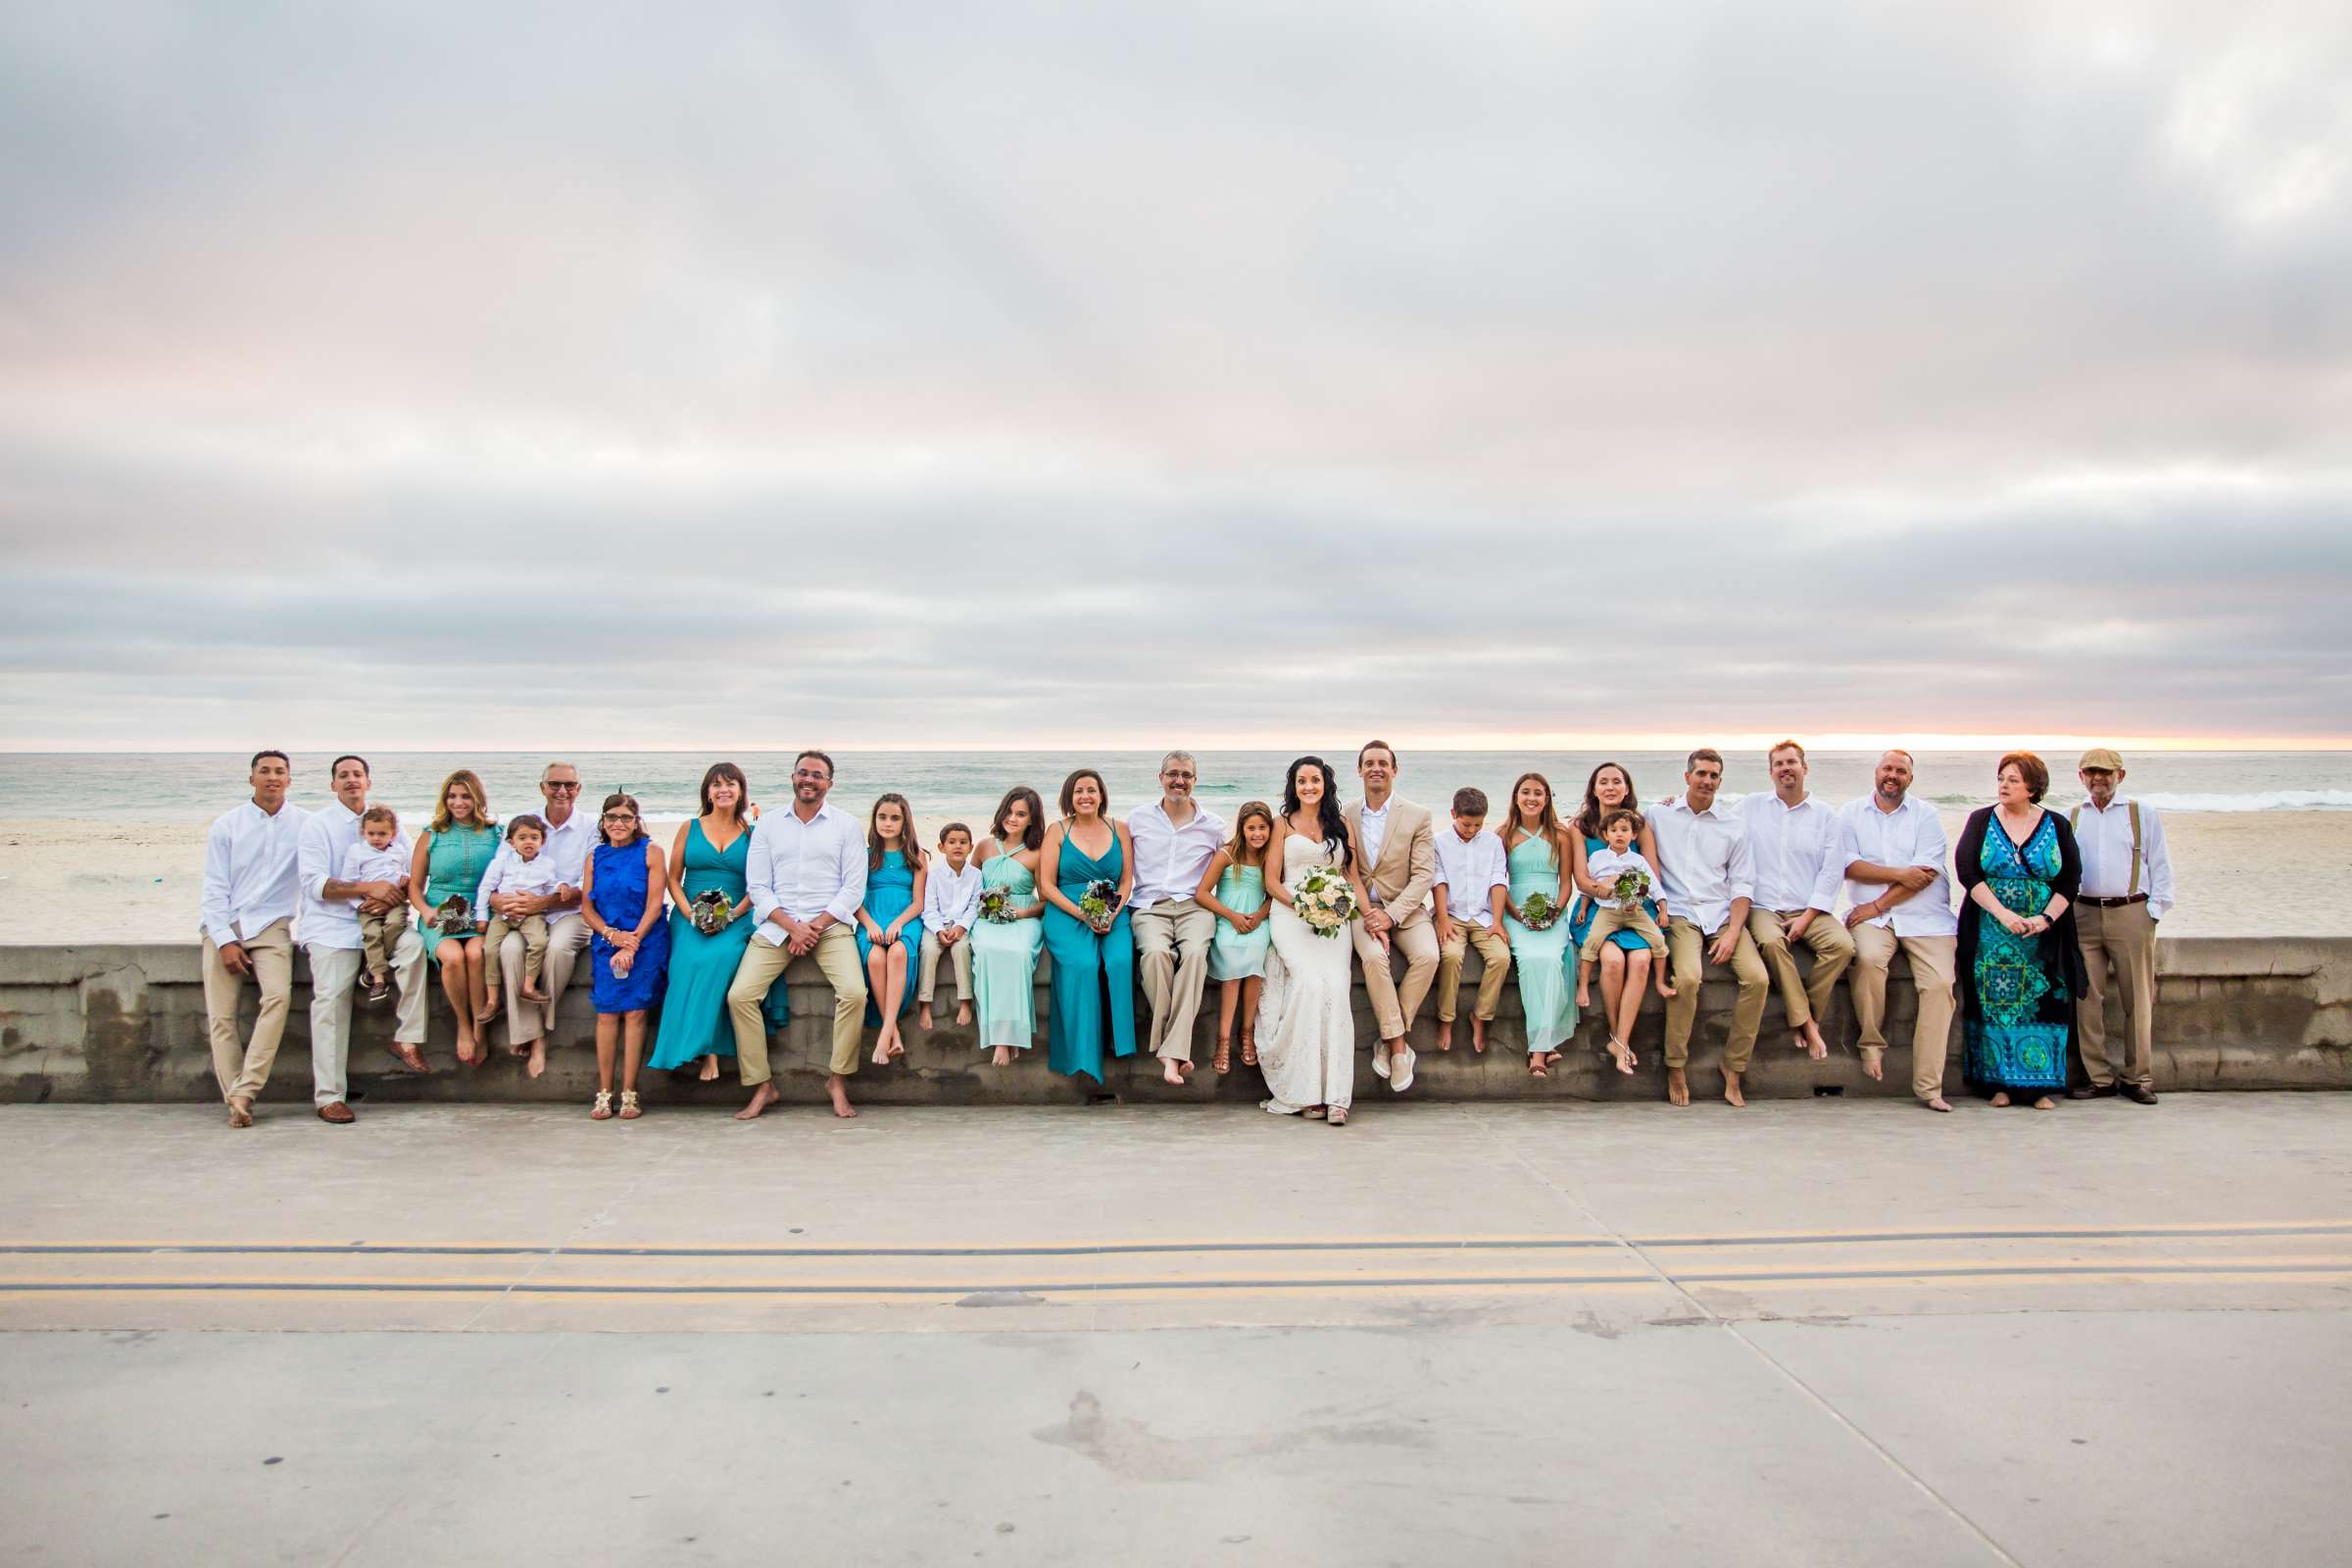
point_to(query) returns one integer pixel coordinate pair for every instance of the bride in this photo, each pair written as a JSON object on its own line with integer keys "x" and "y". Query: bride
{"x": 1307, "y": 1014}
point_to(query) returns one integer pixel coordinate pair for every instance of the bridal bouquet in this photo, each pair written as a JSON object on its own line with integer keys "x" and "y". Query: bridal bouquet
{"x": 711, "y": 911}
{"x": 1324, "y": 901}
{"x": 453, "y": 915}
{"x": 1095, "y": 906}
{"x": 1536, "y": 910}
{"x": 1629, "y": 889}
{"x": 996, "y": 905}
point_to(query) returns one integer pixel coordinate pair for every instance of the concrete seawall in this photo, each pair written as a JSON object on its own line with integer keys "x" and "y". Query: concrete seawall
{"x": 127, "y": 1023}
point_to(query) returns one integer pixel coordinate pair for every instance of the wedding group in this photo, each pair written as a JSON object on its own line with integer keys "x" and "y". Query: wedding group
{"x": 1590, "y": 906}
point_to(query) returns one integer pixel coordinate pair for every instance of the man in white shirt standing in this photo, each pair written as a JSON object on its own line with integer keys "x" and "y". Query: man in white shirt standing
{"x": 808, "y": 880}
{"x": 1174, "y": 842}
{"x": 328, "y": 927}
{"x": 1707, "y": 881}
{"x": 2127, "y": 888}
{"x": 250, "y": 890}
{"x": 1792, "y": 838}
{"x": 1896, "y": 860}
{"x": 572, "y": 836}
{"x": 1398, "y": 839}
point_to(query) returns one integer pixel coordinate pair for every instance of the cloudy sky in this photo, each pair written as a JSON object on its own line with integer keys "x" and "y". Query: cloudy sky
{"x": 1024, "y": 374}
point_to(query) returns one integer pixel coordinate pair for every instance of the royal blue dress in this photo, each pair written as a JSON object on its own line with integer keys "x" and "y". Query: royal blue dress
{"x": 619, "y": 895}
{"x": 694, "y": 1015}
{"x": 889, "y": 894}
{"x": 1094, "y": 976}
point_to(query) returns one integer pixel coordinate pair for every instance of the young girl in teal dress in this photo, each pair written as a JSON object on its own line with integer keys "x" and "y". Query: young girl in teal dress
{"x": 1234, "y": 889}
{"x": 1005, "y": 946}
{"x": 890, "y": 925}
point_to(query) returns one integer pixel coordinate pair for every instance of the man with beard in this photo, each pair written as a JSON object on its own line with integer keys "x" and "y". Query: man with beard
{"x": 1895, "y": 859}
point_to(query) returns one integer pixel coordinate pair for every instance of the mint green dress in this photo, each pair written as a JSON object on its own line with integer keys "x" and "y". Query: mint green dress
{"x": 1004, "y": 960}
{"x": 1231, "y": 955}
{"x": 457, "y": 860}
{"x": 1541, "y": 957}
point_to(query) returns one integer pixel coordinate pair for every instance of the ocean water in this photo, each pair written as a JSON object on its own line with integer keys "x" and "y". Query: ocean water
{"x": 195, "y": 786}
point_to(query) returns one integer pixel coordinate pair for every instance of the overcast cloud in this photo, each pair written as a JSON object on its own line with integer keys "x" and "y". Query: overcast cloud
{"x": 424, "y": 375}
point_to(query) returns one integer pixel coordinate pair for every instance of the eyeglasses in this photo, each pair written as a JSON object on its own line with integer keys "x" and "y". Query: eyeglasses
{"x": 570, "y": 785}
{"x": 620, "y": 816}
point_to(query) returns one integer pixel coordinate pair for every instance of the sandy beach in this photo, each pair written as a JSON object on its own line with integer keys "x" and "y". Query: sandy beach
{"x": 2266, "y": 873}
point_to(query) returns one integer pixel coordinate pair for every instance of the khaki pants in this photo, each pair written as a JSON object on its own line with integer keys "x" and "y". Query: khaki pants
{"x": 2126, "y": 937}
{"x": 379, "y": 934}
{"x": 1171, "y": 954}
{"x": 532, "y": 929}
{"x": 1397, "y": 1004}
{"x": 242, "y": 1070}
{"x": 1932, "y": 962}
{"x": 1612, "y": 918}
{"x": 1805, "y": 1001}
{"x": 959, "y": 959}
{"x": 1688, "y": 945}
{"x": 1494, "y": 959}
{"x": 334, "y": 971}
{"x": 837, "y": 957}
{"x": 526, "y": 1022}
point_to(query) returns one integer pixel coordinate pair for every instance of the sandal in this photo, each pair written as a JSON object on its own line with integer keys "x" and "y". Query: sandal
{"x": 1248, "y": 1050}
{"x": 1623, "y": 1054}
{"x": 604, "y": 1106}
{"x": 1314, "y": 1113}
{"x": 1224, "y": 1057}
{"x": 1535, "y": 1067}
{"x": 629, "y": 1109}
{"x": 1338, "y": 1117}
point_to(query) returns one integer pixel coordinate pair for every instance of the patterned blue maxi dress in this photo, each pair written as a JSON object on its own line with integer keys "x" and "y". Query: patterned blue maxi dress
{"x": 2019, "y": 1010}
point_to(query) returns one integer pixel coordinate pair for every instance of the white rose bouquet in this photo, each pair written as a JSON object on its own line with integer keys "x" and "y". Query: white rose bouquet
{"x": 1323, "y": 899}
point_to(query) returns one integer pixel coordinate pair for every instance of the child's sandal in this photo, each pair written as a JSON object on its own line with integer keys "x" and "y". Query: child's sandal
{"x": 1248, "y": 1050}
{"x": 1224, "y": 1057}
{"x": 604, "y": 1106}
{"x": 629, "y": 1110}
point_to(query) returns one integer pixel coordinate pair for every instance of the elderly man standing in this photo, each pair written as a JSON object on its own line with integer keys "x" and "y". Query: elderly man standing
{"x": 1793, "y": 839}
{"x": 250, "y": 892}
{"x": 2127, "y": 888}
{"x": 1400, "y": 863}
{"x": 1708, "y": 881}
{"x": 328, "y": 925}
{"x": 1895, "y": 859}
{"x": 808, "y": 881}
{"x": 570, "y": 838}
{"x": 1174, "y": 842}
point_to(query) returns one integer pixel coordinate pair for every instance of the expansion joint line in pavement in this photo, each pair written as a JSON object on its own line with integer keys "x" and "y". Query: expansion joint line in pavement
{"x": 1886, "y": 1456}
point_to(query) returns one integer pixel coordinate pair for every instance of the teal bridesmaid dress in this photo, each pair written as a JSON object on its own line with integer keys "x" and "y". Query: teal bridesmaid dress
{"x": 1093, "y": 975}
{"x": 889, "y": 893}
{"x": 1231, "y": 955}
{"x": 1541, "y": 956}
{"x": 694, "y": 1015}
{"x": 1004, "y": 960}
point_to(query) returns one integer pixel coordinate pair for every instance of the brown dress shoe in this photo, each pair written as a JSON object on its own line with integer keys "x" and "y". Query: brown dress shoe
{"x": 336, "y": 1111}
{"x": 2090, "y": 1092}
{"x": 2140, "y": 1093}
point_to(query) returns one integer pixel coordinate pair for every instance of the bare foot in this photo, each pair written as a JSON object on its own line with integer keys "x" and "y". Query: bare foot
{"x": 922, "y": 1017}
{"x": 536, "y": 1063}
{"x": 2000, "y": 1097}
{"x": 1938, "y": 1104}
{"x": 839, "y": 1089}
{"x": 1665, "y": 987}
{"x": 1873, "y": 1063}
{"x": 1478, "y": 1034}
{"x": 1731, "y": 1090}
{"x": 1815, "y": 1047}
{"x": 881, "y": 1056}
{"x": 468, "y": 1052}
{"x": 1169, "y": 1073}
{"x": 1584, "y": 996}
{"x": 1623, "y": 1054}
{"x": 763, "y": 1096}
{"x": 963, "y": 1015}
{"x": 2046, "y": 1103}
{"x": 240, "y": 1112}
{"x": 710, "y": 1072}
{"x": 1002, "y": 1056}
{"x": 898, "y": 1042}
{"x": 1444, "y": 1034}
{"x": 1678, "y": 1087}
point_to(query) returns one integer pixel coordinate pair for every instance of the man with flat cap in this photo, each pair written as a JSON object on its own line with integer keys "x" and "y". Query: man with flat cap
{"x": 2127, "y": 888}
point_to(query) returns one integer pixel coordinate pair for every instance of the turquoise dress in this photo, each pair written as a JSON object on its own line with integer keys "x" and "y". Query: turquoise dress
{"x": 1541, "y": 956}
{"x": 1094, "y": 976}
{"x": 2018, "y": 1012}
{"x": 454, "y": 866}
{"x": 694, "y": 1015}
{"x": 1231, "y": 955}
{"x": 1582, "y": 912}
{"x": 621, "y": 889}
{"x": 889, "y": 893}
{"x": 1004, "y": 960}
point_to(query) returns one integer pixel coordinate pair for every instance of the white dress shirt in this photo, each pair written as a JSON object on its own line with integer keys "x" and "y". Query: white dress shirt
{"x": 2104, "y": 838}
{"x": 806, "y": 869}
{"x": 1605, "y": 866}
{"x": 1372, "y": 831}
{"x": 252, "y": 872}
{"x": 1795, "y": 851}
{"x": 363, "y": 862}
{"x": 509, "y": 872}
{"x": 566, "y": 850}
{"x": 323, "y": 856}
{"x": 1469, "y": 870}
{"x": 1169, "y": 860}
{"x": 950, "y": 897}
{"x": 1704, "y": 861}
{"x": 1911, "y": 835}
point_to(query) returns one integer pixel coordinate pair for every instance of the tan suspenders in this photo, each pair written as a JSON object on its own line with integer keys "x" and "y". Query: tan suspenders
{"x": 2074, "y": 819}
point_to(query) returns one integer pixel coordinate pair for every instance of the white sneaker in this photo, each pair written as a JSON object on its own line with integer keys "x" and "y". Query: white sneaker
{"x": 1402, "y": 1078}
{"x": 1380, "y": 1060}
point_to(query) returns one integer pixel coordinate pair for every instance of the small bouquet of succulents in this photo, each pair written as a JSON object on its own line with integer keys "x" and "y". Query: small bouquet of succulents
{"x": 1323, "y": 899}
{"x": 453, "y": 915}
{"x": 1629, "y": 889}
{"x": 996, "y": 905}
{"x": 1538, "y": 911}
{"x": 711, "y": 912}
{"x": 1096, "y": 904}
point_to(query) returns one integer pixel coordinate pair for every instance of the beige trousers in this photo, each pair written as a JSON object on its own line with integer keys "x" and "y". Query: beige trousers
{"x": 959, "y": 961}
{"x": 532, "y": 928}
{"x": 1494, "y": 954}
{"x": 1611, "y": 918}
{"x": 2124, "y": 937}
{"x": 1171, "y": 954}
{"x": 837, "y": 957}
{"x": 526, "y": 1022}
{"x": 334, "y": 972}
{"x": 1805, "y": 1001}
{"x": 1688, "y": 945}
{"x": 242, "y": 1068}
{"x": 379, "y": 934}
{"x": 1396, "y": 1004}
{"x": 1934, "y": 960}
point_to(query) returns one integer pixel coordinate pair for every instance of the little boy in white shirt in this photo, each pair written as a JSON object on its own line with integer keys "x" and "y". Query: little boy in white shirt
{"x": 950, "y": 903}
{"x": 1473, "y": 880}
{"x": 1620, "y": 868}
{"x": 381, "y": 854}
{"x": 518, "y": 868}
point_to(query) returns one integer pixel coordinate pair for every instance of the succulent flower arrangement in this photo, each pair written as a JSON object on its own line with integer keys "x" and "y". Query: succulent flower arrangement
{"x": 453, "y": 915}
{"x": 996, "y": 905}
{"x": 1096, "y": 904}
{"x": 1538, "y": 911}
{"x": 1629, "y": 889}
{"x": 711, "y": 912}
{"x": 1323, "y": 900}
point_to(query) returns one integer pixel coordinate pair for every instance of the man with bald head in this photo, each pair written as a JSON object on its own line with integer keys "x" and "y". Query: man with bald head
{"x": 1897, "y": 877}
{"x": 1174, "y": 842}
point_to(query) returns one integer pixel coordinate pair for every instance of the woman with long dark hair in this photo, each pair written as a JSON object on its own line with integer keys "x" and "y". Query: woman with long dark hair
{"x": 1536, "y": 848}
{"x": 1306, "y": 1014}
{"x": 712, "y": 855}
{"x": 1004, "y": 945}
{"x": 1625, "y": 961}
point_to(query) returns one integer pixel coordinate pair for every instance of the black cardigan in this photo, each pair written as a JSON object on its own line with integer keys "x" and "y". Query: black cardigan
{"x": 2060, "y": 951}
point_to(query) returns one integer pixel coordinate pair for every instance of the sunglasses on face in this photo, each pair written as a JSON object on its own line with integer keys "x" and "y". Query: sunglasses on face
{"x": 571, "y": 784}
{"x": 620, "y": 816}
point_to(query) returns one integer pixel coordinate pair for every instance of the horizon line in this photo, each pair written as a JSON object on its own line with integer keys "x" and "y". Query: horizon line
{"x": 1843, "y": 742}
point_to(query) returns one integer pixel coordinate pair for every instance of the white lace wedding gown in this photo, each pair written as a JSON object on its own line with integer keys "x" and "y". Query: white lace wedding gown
{"x": 1307, "y": 1014}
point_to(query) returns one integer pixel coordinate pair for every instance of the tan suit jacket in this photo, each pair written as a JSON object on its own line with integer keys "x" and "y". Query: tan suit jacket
{"x": 1408, "y": 860}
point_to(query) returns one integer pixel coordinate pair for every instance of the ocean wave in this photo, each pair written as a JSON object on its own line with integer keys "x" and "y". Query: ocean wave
{"x": 2172, "y": 800}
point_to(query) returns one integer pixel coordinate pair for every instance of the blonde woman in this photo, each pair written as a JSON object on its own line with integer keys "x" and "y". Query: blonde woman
{"x": 451, "y": 857}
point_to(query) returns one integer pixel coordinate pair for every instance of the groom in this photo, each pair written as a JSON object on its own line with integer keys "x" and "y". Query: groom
{"x": 1401, "y": 861}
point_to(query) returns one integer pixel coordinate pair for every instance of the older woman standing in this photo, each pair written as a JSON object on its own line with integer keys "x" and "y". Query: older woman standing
{"x": 712, "y": 855}
{"x": 620, "y": 898}
{"x": 451, "y": 857}
{"x": 2020, "y": 968}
